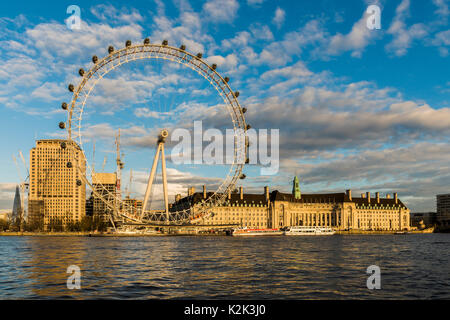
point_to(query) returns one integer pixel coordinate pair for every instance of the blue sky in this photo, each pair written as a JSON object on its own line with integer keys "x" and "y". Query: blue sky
{"x": 356, "y": 108}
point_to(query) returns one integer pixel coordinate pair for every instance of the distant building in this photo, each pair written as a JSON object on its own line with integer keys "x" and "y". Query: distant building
{"x": 105, "y": 185}
{"x": 17, "y": 206}
{"x": 275, "y": 209}
{"x": 132, "y": 206}
{"x": 57, "y": 192}
{"x": 443, "y": 209}
{"x": 90, "y": 205}
{"x": 423, "y": 219}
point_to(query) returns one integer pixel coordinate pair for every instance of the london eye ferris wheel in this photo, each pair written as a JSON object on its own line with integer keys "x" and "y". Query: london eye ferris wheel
{"x": 116, "y": 204}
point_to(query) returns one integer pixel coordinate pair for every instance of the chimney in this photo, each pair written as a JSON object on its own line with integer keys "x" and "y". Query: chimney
{"x": 266, "y": 192}
{"x": 204, "y": 192}
{"x": 395, "y": 197}
{"x": 349, "y": 194}
{"x": 378, "y": 197}
{"x": 368, "y": 197}
{"x": 388, "y": 196}
{"x": 191, "y": 191}
{"x": 241, "y": 192}
{"x": 363, "y": 196}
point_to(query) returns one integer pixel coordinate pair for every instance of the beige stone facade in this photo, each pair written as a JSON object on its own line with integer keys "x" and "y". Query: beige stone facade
{"x": 56, "y": 189}
{"x": 104, "y": 184}
{"x": 341, "y": 211}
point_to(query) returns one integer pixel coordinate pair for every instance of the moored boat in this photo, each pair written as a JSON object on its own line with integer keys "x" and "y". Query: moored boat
{"x": 256, "y": 232}
{"x": 308, "y": 231}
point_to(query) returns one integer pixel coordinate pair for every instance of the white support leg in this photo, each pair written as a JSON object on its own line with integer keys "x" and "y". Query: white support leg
{"x": 164, "y": 176}
{"x": 150, "y": 179}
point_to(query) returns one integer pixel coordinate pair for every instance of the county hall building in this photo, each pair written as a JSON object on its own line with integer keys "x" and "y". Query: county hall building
{"x": 341, "y": 211}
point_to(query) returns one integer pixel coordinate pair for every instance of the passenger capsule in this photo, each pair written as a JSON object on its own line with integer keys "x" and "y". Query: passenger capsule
{"x": 199, "y": 55}
{"x": 62, "y": 125}
{"x": 128, "y": 43}
{"x": 226, "y": 79}
{"x": 81, "y": 72}
{"x": 183, "y": 47}
{"x": 242, "y": 177}
{"x": 249, "y": 127}
{"x": 64, "y": 106}
{"x": 146, "y": 41}
{"x": 247, "y": 160}
{"x": 94, "y": 59}
{"x": 236, "y": 94}
{"x": 165, "y": 42}
{"x": 110, "y": 49}
{"x": 244, "y": 110}
{"x": 214, "y": 66}
{"x": 71, "y": 87}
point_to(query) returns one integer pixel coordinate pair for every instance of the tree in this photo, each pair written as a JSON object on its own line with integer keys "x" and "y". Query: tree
{"x": 55, "y": 225}
{"x": 73, "y": 226}
{"x": 4, "y": 225}
{"x": 34, "y": 225}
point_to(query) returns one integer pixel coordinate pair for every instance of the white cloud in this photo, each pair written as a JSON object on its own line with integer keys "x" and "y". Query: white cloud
{"x": 442, "y": 8}
{"x": 282, "y": 52}
{"x": 110, "y": 14}
{"x": 279, "y": 17}
{"x": 228, "y": 62}
{"x": 221, "y": 10}
{"x": 7, "y": 192}
{"x": 355, "y": 41}
{"x": 403, "y": 36}
{"x": 49, "y": 91}
{"x": 148, "y": 113}
{"x": 261, "y": 32}
{"x": 442, "y": 40}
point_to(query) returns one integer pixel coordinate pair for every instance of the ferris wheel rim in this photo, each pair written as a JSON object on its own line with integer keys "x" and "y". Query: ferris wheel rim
{"x": 171, "y": 53}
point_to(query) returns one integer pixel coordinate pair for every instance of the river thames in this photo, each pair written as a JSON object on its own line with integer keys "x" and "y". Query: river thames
{"x": 215, "y": 267}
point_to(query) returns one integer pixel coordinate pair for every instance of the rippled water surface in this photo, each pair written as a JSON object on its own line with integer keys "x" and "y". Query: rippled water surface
{"x": 330, "y": 267}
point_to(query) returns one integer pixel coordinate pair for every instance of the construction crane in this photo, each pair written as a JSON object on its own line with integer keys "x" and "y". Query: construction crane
{"x": 119, "y": 162}
{"x": 119, "y": 168}
{"x": 104, "y": 163}
{"x": 128, "y": 190}
{"x": 24, "y": 163}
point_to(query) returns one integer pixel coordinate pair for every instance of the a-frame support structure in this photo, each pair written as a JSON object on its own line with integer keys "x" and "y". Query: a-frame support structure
{"x": 159, "y": 151}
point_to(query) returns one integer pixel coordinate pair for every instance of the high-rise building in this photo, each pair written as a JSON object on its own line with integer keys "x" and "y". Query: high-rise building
{"x": 443, "y": 209}
{"x": 104, "y": 184}
{"x": 57, "y": 193}
{"x": 17, "y": 206}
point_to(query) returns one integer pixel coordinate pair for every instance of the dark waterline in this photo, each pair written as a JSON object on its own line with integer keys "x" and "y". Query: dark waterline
{"x": 329, "y": 267}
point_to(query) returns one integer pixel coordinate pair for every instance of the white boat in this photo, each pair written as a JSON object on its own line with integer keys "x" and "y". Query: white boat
{"x": 308, "y": 231}
{"x": 256, "y": 232}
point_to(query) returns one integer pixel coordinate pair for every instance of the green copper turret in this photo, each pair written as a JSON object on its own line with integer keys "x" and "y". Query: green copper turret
{"x": 296, "y": 188}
